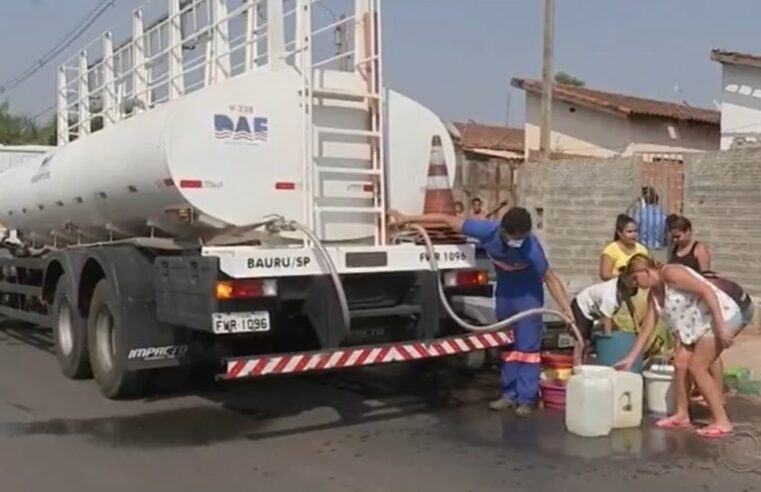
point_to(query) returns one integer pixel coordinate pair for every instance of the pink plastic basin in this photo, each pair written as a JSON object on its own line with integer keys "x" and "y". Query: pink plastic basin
{"x": 553, "y": 394}
{"x": 557, "y": 361}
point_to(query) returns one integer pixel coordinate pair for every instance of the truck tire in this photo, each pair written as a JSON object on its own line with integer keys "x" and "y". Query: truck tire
{"x": 105, "y": 332}
{"x": 69, "y": 333}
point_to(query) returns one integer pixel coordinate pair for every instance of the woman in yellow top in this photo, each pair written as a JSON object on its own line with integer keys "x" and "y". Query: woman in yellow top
{"x": 614, "y": 259}
{"x": 616, "y": 255}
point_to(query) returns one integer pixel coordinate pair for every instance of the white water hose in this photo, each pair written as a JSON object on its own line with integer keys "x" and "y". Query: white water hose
{"x": 277, "y": 223}
{"x": 495, "y": 326}
{"x": 340, "y": 292}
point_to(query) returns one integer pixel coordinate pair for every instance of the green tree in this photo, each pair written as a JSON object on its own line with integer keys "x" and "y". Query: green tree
{"x": 568, "y": 79}
{"x": 22, "y": 130}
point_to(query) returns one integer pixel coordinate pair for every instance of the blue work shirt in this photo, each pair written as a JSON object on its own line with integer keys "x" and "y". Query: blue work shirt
{"x": 520, "y": 271}
{"x": 651, "y": 220}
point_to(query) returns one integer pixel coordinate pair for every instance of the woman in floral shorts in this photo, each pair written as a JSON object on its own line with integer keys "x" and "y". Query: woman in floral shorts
{"x": 704, "y": 318}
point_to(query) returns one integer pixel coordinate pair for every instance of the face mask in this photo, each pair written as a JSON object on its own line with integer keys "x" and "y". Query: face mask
{"x": 515, "y": 243}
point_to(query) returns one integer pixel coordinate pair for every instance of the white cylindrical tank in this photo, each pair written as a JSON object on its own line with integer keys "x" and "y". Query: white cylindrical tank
{"x": 232, "y": 152}
{"x": 15, "y": 155}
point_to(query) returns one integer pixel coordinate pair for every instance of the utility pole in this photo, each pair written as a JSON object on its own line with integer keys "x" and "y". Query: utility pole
{"x": 507, "y": 109}
{"x": 547, "y": 79}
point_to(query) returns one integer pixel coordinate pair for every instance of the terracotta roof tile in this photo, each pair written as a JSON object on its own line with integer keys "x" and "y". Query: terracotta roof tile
{"x": 736, "y": 58}
{"x": 479, "y": 136}
{"x": 627, "y": 105}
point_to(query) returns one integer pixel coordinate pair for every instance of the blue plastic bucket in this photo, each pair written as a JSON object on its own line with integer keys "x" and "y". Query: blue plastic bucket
{"x": 610, "y": 349}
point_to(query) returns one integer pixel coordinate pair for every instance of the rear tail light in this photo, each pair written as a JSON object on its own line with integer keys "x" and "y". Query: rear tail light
{"x": 470, "y": 278}
{"x": 245, "y": 289}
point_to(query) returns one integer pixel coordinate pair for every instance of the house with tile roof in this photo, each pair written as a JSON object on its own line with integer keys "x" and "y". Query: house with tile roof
{"x": 487, "y": 160}
{"x": 740, "y": 98}
{"x": 490, "y": 140}
{"x": 588, "y": 122}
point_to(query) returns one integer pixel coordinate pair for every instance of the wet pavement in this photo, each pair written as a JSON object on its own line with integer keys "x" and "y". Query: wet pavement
{"x": 402, "y": 428}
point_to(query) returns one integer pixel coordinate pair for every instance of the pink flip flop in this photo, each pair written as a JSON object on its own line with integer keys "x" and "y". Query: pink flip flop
{"x": 669, "y": 423}
{"x": 711, "y": 432}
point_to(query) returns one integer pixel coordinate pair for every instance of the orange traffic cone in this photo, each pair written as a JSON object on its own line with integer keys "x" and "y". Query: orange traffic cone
{"x": 438, "y": 194}
{"x": 439, "y": 198}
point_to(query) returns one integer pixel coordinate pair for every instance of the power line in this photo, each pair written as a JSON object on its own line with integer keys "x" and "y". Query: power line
{"x": 59, "y": 47}
{"x": 43, "y": 112}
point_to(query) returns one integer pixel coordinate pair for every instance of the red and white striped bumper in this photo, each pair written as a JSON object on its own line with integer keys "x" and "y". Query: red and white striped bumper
{"x": 267, "y": 365}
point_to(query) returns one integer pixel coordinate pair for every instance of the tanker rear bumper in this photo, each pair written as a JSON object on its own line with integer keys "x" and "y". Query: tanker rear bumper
{"x": 355, "y": 357}
{"x": 392, "y": 294}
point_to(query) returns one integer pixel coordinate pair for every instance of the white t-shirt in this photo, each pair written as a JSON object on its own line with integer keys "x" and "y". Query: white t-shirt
{"x": 599, "y": 300}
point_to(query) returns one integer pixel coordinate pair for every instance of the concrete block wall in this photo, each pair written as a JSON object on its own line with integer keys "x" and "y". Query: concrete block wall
{"x": 723, "y": 201}
{"x": 575, "y": 205}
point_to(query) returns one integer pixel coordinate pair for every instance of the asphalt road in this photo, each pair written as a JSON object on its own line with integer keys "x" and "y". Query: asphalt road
{"x": 396, "y": 429}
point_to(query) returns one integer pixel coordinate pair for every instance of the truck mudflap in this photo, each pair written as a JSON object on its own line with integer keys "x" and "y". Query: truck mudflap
{"x": 363, "y": 356}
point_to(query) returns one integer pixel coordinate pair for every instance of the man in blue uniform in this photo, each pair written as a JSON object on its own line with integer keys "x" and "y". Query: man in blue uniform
{"x": 522, "y": 270}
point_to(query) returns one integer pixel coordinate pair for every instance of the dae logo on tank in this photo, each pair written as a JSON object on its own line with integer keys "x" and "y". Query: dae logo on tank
{"x": 241, "y": 129}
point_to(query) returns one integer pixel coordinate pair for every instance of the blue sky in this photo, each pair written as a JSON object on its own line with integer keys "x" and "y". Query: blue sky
{"x": 457, "y": 56}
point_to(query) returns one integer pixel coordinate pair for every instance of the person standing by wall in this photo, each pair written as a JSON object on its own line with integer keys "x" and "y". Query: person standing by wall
{"x": 522, "y": 272}
{"x": 614, "y": 258}
{"x": 686, "y": 250}
{"x": 459, "y": 209}
{"x": 476, "y": 208}
{"x": 651, "y": 220}
{"x": 616, "y": 254}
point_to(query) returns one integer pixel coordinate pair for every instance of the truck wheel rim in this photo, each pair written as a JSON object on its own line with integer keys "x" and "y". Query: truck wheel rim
{"x": 65, "y": 328}
{"x": 104, "y": 338}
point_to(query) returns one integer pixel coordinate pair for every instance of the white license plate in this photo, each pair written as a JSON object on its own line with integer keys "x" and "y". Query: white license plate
{"x": 226, "y": 323}
{"x": 565, "y": 340}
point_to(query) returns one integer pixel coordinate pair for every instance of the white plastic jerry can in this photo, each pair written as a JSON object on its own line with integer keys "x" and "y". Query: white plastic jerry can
{"x": 589, "y": 401}
{"x": 627, "y": 399}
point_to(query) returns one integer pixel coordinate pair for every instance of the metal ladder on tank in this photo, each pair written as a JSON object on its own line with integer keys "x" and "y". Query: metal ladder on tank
{"x": 367, "y": 19}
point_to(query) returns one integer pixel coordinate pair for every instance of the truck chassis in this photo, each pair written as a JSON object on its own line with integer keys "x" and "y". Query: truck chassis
{"x": 119, "y": 312}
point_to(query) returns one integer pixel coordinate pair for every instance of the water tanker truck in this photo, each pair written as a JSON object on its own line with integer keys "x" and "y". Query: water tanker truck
{"x": 218, "y": 195}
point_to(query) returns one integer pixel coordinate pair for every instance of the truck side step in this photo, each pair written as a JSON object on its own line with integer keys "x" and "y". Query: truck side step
{"x": 348, "y": 170}
{"x": 347, "y": 132}
{"x": 369, "y": 355}
{"x": 343, "y": 95}
{"x": 357, "y": 210}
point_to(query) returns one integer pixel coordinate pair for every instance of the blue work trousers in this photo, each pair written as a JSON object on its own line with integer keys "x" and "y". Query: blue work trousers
{"x": 521, "y": 366}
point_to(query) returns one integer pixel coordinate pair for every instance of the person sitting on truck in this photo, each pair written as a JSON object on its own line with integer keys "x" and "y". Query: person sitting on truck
{"x": 600, "y": 302}
{"x": 522, "y": 270}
